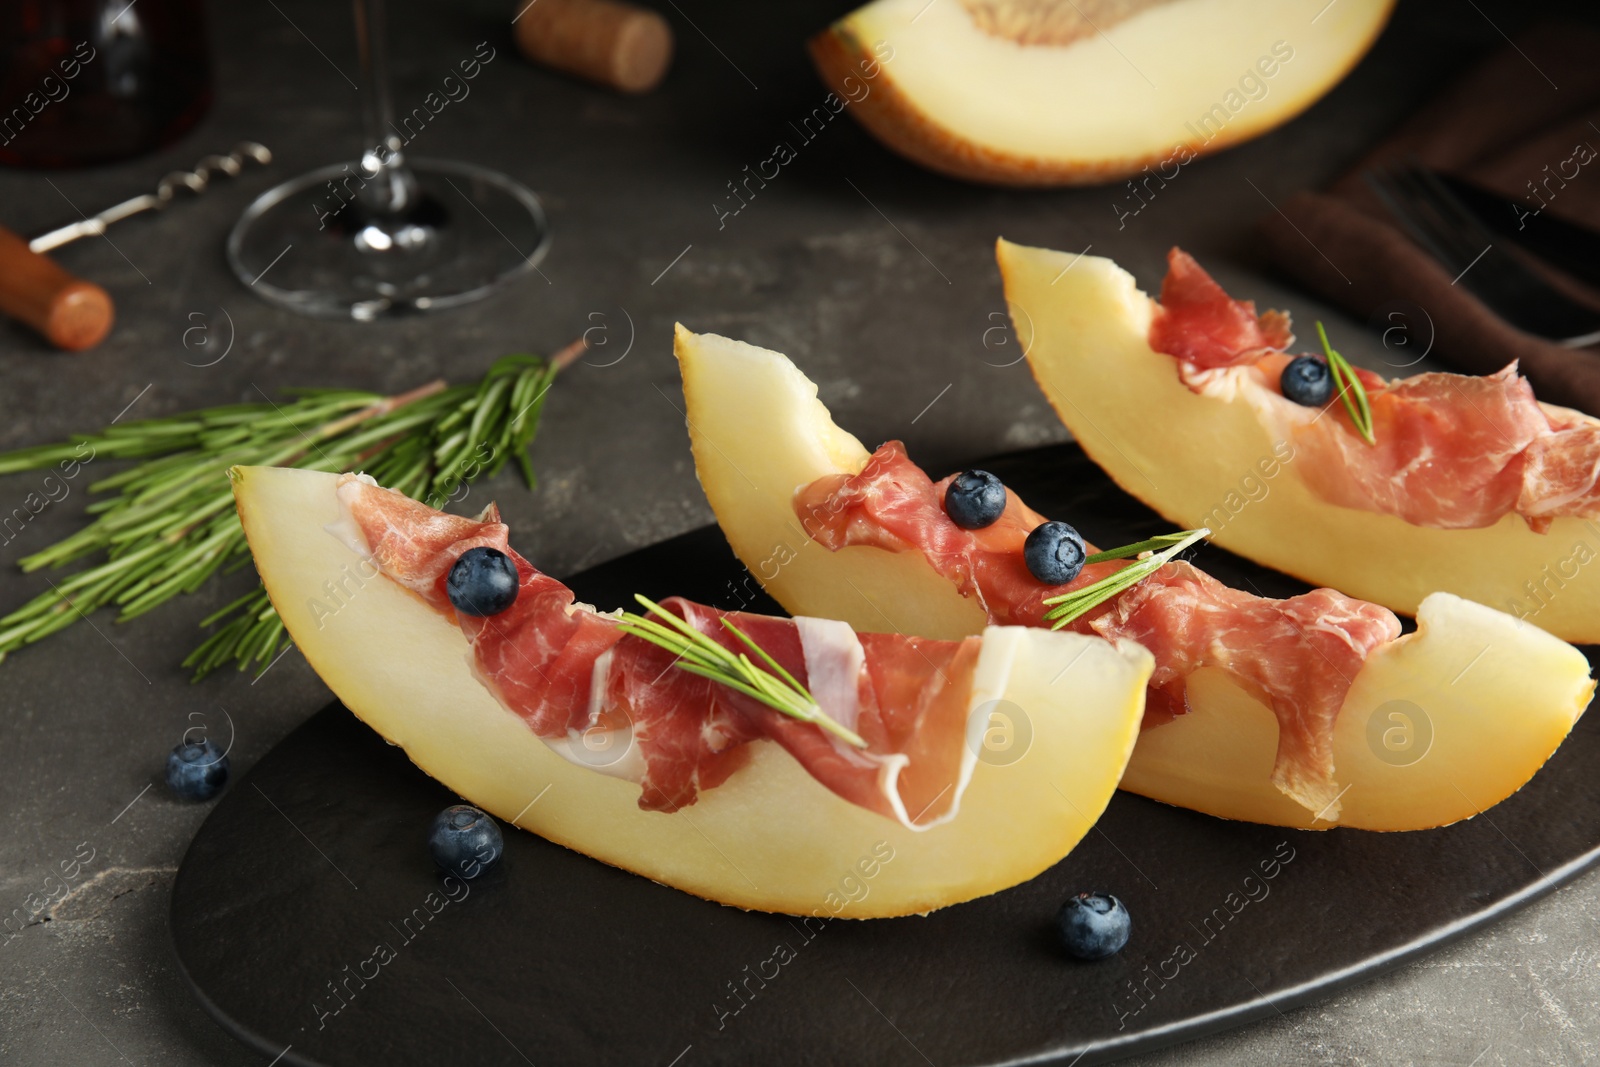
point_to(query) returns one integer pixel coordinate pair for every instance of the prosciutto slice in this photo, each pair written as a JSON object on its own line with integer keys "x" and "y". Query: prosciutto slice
{"x": 1454, "y": 451}
{"x": 1561, "y": 471}
{"x": 614, "y": 702}
{"x": 1298, "y": 656}
{"x": 1200, "y": 324}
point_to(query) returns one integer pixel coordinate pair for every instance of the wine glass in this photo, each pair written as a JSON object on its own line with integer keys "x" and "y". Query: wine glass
{"x": 386, "y": 235}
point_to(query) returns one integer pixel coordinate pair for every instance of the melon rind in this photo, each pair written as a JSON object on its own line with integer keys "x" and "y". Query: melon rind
{"x": 924, "y": 80}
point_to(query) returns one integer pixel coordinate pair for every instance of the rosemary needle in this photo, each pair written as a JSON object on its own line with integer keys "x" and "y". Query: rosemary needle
{"x": 1351, "y": 391}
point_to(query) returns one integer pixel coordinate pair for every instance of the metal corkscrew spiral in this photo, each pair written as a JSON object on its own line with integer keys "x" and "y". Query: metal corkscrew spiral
{"x": 195, "y": 181}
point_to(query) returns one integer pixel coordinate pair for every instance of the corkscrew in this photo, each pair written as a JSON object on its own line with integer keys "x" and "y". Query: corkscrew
{"x": 196, "y": 181}
{"x": 70, "y": 312}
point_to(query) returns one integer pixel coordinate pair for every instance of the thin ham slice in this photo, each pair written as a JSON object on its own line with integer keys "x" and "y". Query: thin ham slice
{"x": 1454, "y": 451}
{"x": 1451, "y": 449}
{"x": 566, "y": 670}
{"x": 1298, "y": 656}
{"x": 1561, "y": 472}
{"x": 1199, "y": 323}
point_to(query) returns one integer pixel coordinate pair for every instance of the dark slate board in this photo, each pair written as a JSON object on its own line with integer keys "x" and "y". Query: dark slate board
{"x": 317, "y": 856}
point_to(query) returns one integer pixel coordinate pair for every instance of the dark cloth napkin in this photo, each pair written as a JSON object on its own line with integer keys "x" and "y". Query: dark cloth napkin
{"x": 1526, "y": 107}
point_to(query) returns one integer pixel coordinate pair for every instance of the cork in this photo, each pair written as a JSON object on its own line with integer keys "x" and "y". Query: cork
{"x": 609, "y": 42}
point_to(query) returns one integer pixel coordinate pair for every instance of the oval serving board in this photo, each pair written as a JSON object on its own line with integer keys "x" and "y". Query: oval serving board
{"x": 311, "y": 922}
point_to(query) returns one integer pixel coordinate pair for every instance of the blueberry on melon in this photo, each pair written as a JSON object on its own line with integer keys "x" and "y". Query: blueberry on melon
{"x": 482, "y": 582}
{"x": 975, "y": 499}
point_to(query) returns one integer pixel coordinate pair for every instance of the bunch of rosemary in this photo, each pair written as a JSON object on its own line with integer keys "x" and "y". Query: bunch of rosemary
{"x": 168, "y": 523}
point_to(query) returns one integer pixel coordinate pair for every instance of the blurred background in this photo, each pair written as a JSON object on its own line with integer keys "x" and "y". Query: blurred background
{"x": 876, "y": 275}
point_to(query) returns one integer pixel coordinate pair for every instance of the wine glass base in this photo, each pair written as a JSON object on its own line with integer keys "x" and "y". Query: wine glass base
{"x": 311, "y": 245}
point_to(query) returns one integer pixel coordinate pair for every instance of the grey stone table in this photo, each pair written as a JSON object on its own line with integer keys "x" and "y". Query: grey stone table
{"x": 876, "y": 277}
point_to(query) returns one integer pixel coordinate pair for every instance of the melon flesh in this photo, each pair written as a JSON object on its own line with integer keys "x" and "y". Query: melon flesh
{"x": 1058, "y": 92}
{"x": 1494, "y": 696}
{"x": 1084, "y": 324}
{"x": 770, "y": 838}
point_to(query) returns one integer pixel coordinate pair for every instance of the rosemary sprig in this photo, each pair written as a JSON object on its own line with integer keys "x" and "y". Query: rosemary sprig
{"x": 1078, "y": 602}
{"x": 698, "y": 654}
{"x": 167, "y": 525}
{"x": 1158, "y": 541}
{"x": 1351, "y": 391}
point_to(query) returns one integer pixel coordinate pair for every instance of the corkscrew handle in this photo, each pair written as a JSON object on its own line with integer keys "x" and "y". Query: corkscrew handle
{"x": 71, "y": 313}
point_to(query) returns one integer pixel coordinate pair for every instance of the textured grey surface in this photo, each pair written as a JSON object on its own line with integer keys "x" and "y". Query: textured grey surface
{"x": 877, "y": 278}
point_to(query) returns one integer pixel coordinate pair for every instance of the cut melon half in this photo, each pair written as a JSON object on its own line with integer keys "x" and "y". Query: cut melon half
{"x": 1065, "y": 92}
{"x": 770, "y": 838}
{"x": 1201, "y": 460}
{"x": 1438, "y": 725}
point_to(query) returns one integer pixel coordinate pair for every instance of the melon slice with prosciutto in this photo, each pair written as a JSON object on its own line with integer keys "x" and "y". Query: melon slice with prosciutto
{"x": 1473, "y": 487}
{"x": 549, "y": 717}
{"x": 1488, "y": 698}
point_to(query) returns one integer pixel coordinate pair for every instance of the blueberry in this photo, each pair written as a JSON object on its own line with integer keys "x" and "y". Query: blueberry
{"x": 465, "y": 841}
{"x": 975, "y": 499}
{"x": 1307, "y": 380}
{"x": 197, "y": 770}
{"x": 1054, "y": 553}
{"x": 1093, "y": 926}
{"x": 482, "y": 582}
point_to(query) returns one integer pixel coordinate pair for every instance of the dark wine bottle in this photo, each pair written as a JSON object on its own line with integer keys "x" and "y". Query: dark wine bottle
{"x": 91, "y": 81}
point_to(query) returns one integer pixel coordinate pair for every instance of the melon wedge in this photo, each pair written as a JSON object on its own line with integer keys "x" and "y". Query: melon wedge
{"x": 770, "y": 838}
{"x": 1083, "y": 323}
{"x": 1480, "y": 699}
{"x": 1069, "y": 92}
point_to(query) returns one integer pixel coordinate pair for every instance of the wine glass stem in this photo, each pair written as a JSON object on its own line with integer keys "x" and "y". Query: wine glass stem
{"x": 391, "y": 188}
